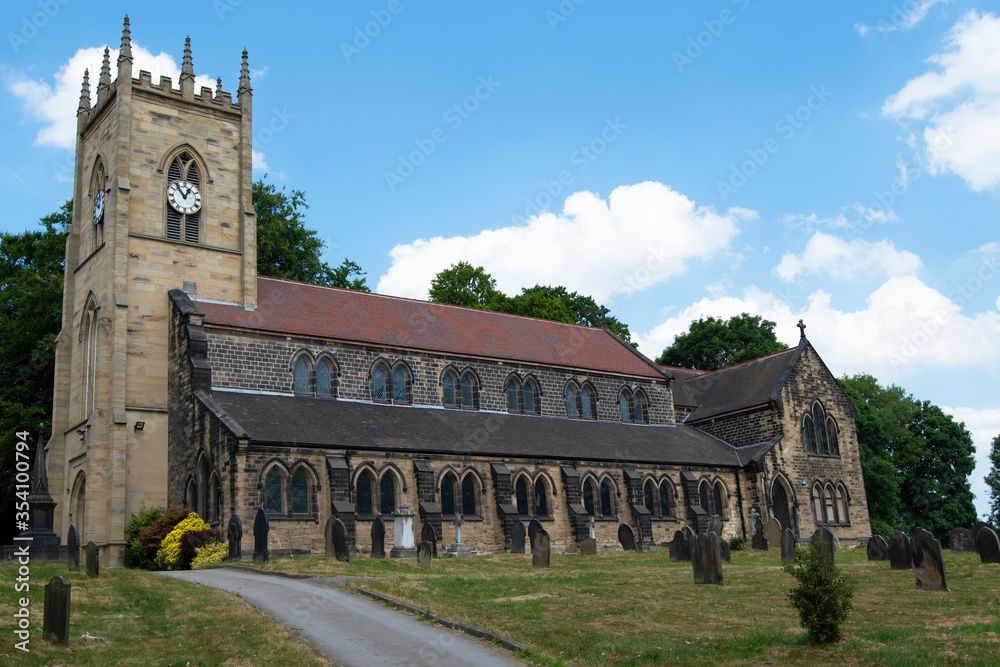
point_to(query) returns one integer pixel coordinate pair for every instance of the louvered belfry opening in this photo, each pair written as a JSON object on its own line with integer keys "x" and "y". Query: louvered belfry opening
{"x": 183, "y": 168}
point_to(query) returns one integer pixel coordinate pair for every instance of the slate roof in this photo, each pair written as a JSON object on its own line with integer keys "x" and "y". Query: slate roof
{"x": 682, "y": 395}
{"x": 288, "y": 307}
{"x": 316, "y": 422}
{"x": 749, "y": 384}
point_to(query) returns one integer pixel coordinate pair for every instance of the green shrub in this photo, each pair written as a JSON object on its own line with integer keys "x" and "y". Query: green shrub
{"x": 149, "y": 538}
{"x": 737, "y": 543}
{"x": 213, "y": 553}
{"x": 135, "y": 555}
{"x": 169, "y": 555}
{"x": 193, "y": 540}
{"x": 823, "y": 596}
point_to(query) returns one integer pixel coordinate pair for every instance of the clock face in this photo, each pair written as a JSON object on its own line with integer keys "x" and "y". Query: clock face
{"x": 184, "y": 197}
{"x": 99, "y": 207}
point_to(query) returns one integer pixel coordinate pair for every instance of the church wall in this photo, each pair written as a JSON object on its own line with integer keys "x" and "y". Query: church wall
{"x": 745, "y": 428}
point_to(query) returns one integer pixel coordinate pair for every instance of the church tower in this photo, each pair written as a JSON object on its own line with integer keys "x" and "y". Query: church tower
{"x": 161, "y": 200}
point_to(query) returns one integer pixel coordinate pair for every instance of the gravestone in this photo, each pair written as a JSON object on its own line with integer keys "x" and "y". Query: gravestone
{"x": 715, "y": 525}
{"x": 773, "y": 532}
{"x": 261, "y": 527}
{"x": 759, "y": 540}
{"x": 878, "y": 548}
{"x": 899, "y": 552}
{"x": 787, "y": 546}
{"x": 517, "y": 538}
{"x": 829, "y": 542}
{"x": 978, "y": 527}
{"x": 55, "y": 619}
{"x": 688, "y": 533}
{"x": 627, "y": 537}
{"x": 378, "y": 538}
{"x": 588, "y": 547}
{"x": 328, "y": 537}
{"x": 960, "y": 540}
{"x": 235, "y": 536}
{"x": 540, "y": 549}
{"x": 680, "y": 548}
{"x": 988, "y": 546}
{"x": 338, "y": 539}
{"x": 706, "y": 559}
{"x": 424, "y": 550}
{"x": 93, "y": 556}
{"x": 73, "y": 548}
{"x": 928, "y": 562}
{"x": 591, "y": 528}
{"x": 427, "y": 534}
{"x": 403, "y": 545}
{"x": 725, "y": 550}
{"x": 533, "y": 527}
{"x": 458, "y": 548}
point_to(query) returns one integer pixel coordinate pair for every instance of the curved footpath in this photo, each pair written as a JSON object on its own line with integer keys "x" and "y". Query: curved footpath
{"x": 347, "y": 628}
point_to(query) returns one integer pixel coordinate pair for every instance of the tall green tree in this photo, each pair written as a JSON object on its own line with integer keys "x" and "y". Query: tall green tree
{"x": 711, "y": 343}
{"x": 465, "y": 285}
{"x": 993, "y": 482}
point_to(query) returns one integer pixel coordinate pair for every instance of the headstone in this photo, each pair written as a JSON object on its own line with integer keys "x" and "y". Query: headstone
{"x": 588, "y": 547}
{"x": 754, "y": 515}
{"x": 402, "y": 533}
{"x": 591, "y": 528}
{"x": 92, "y": 553}
{"x": 458, "y": 548}
{"x": 715, "y": 525}
{"x": 517, "y": 538}
{"x": 878, "y": 548}
{"x": 899, "y": 552}
{"x": 978, "y": 527}
{"x": 773, "y": 532}
{"x": 928, "y": 562}
{"x": 725, "y": 550}
{"x": 829, "y": 541}
{"x": 706, "y": 559}
{"x": 235, "y": 536}
{"x": 378, "y": 538}
{"x": 627, "y": 537}
{"x": 55, "y": 619}
{"x": 759, "y": 540}
{"x": 540, "y": 549}
{"x": 680, "y": 548}
{"x": 787, "y": 546}
{"x": 338, "y": 539}
{"x": 424, "y": 550}
{"x": 960, "y": 540}
{"x": 988, "y": 546}
{"x": 533, "y": 527}
{"x": 427, "y": 534}
{"x": 73, "y": 548}
{"x": 688, "y": 532}
{"x": 261, "y": 527}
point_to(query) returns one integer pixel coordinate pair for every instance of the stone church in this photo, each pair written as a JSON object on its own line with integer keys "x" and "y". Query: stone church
{"x": 184, "y": 378}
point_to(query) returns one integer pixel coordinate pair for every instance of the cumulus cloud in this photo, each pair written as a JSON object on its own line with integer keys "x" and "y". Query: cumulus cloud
{"x": 259, "y": 163}
{"x": 843, "y": 260}
{"x": 641, "y": 235}
{"x": 984, "y": 425}
{"x": 960, "y": 103}
{"x": 54, "y": 103}
{"x": 902, "y": 18}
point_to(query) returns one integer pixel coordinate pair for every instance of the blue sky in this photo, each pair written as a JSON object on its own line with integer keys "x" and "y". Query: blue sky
{"x": 835, "y": 162}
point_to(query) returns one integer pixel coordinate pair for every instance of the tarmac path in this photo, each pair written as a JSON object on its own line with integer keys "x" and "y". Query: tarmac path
{"x": 350, "y": 629}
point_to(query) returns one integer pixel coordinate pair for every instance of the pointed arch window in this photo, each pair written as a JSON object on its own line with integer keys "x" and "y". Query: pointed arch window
{"x": 521, "y": 496}
{"x": 513, "y": 404}
{"x": 817, "y": 502}
{"x": 324, "y": 379}
{"x": 399, "y": 386}
{"x": 819, "y": 423}
{"x": 532, "y": 403}
{"x": 606, "y": 493}
{"x": 831, "y": 431}
{"x": 387, "y": 494}
{"x": 469, "y": 495}
{"x": 363, "y": 494}
{"x": 666, "y": 498}
{"x": 448, "y": 389}
{"x": 378, "y": 384}
{"x": 648, "y": 496}
{"x": 842, "y": 514}
{"x": 704, "y": 497}
{"x": 829, "y": 505}
{"x": 89, "y": 340}
{"x": 588, "y": 497}
{"x": 624, "y": 406}
{"x": 300, "y": 493}
{"x": 807, "y": 435}
{"x": 541, "y": 498}
{"x": 448, "y": 494}
{"x": 720, "y": 497}
{"x": 639, "y": 412}
{"x": 470, "y": 392}
{"x": 588, "y": 402}
{"x": 183, "y": 225}
{"x": 571, "y": 402}
{"x": 273, "y": 491}
{"x": 301, "y": 381}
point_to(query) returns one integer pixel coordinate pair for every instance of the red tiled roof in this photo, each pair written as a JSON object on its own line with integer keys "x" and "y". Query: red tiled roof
{"x": 294, "y": 308}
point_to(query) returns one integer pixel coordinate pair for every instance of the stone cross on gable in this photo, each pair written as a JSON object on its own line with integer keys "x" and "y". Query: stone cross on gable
{"x": 603, "y": 312}
{"x": 802, "y": 328}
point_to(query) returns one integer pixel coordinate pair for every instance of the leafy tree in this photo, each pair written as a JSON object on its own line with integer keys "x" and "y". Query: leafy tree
{"x": 287, "y": 249}
{"x": 993, "y": 482}
{"x": 712, "y": 343}
{"x": 823, "y": 596}
{"x": 465, "y": 285}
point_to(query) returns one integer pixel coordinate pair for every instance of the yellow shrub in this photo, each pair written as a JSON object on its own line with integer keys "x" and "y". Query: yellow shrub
{"x": 169, "y": 555}
{"x": 212, "y": 553}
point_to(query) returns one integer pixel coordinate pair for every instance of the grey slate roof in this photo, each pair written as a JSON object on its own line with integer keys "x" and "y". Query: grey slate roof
{"x": 304, "y": 421}
{"x": 749, "y": 384}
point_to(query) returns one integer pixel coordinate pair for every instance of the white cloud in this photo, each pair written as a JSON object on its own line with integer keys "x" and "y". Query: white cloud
{"x": 962, "y": 101}
{"x": 843, "y": 260}
{"x": 258, "y": 161}
{"x": 984, "y": 425}
{"x": 902, "y": 18}
{"x": 641, "y": 235}
{"x": 54, "y": 104}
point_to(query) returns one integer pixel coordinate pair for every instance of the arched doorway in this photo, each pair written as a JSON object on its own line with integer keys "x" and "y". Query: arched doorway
{"x": 779, "y": 505}
{"x": 78, "y": 505}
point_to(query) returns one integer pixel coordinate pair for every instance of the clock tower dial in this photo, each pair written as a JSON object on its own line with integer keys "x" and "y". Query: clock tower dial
{"x": 184, "y": 197}
{"x": 99, "y": 207}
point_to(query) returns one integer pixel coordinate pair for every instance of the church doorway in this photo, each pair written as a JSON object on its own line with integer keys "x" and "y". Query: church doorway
{"x": 779, "y": 505}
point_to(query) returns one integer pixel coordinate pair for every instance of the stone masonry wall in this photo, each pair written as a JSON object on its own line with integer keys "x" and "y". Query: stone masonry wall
{"x": 747, "y": 428}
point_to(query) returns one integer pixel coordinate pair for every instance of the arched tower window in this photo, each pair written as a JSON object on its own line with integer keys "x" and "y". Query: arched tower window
{"x": 183, "y": 199}
{"x": 89, "y": 335}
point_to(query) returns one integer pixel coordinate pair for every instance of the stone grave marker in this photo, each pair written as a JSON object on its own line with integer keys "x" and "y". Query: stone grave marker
{"x": 928, "y": 562}
{"x": 787, "y": 546}
{"x": 378, "y": 538}
{"x": 988, "y": 546}
{"x": 715, "y": 525}
{"x": 978, "y": 527}
{"x": 773, "y": 532}
{"x": 960, "y": 540}
{"x": 93, "y": 556}
{"x": 73, "y": 548}
{"x": 261, "y": 527}
{"x": 759, "y": 540}
{"x": 899, "y": 552}
{"x": 878, "y": 548}
{"x": 458, "y": 548}
{"x": 55, "y": 617}
{"x": 688, "y": 532}
{"x": 540, "y": 549}
{"x": 706, "y": 559}
{"x": 403, "y": 545}
{"x": 424, "y": 551}
{"x": 533, "y": 527}
{"x": 591, "y": 528}
{"x": 627, "y": 537}
{"x": 725, "y": 550}
{"x": 517, "y": 538}
{"x": 427, "y": 534}
{"x": 338, "y": 539}
{"x": 235, "y": 536}
{"x": 680, "y": 548}
{"x": 829, "y": 541}
{"x": 588, "y": 547}
{"x": 328, "y": 537}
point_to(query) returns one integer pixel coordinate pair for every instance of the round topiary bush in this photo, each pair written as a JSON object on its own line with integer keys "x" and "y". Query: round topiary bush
{"x": 169, "y": 556}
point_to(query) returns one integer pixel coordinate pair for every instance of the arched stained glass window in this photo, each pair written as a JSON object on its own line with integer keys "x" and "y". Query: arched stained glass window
{"x": 648, "y": 495}
{"x": 468, "y": 397}
{"x": 530, "y": 398}
{"x": 666, "y": 498}
{"x": 378, "y": 384}
{"x": 398, "y": 387}
{"x": 718, "y": 498}
{"x": 606, "y": 507}
{"x": 301, "y": 376}
{"x": 449, "y": 390}
{"x": 324, "y": 379}
{"x": 819, "y": 423}
{"x": 521, "y": 496}
{"x": 272, "y": 492}
{"x": 571, "y": 398}
{"x": 807, "y": 435}
{"x": 831, "y": 430}
{"x": 639, "y": 409}
{"x": 703, "y": 497}
{"x": 387, "y": 494}
{"x": 364, "y": 494}
{"x": 448, "y": 495}
{"x": 300, "y": 493}
{"x": 587, "y": 403}
{"x": 512, "y": 405}
{"x": 623, "y": 405}
{"x": 588, "y": 497}
{"x": 469, "y": 495}
{"x": 541, "y": 499}
{"x": 842, "y": 505}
